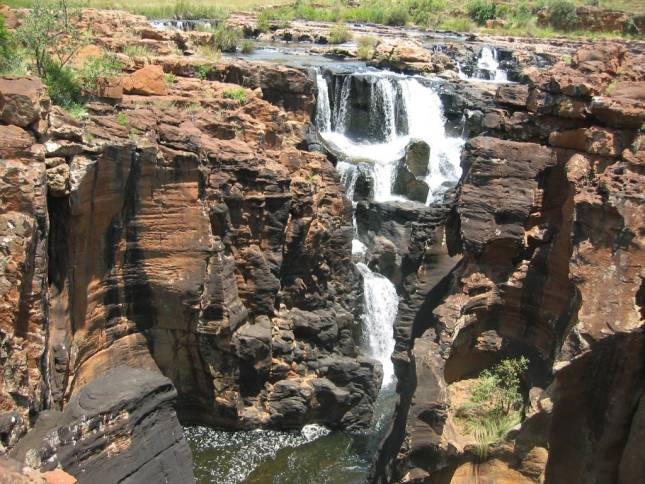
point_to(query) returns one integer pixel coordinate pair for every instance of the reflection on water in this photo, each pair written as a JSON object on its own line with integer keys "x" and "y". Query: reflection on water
{"x": 313, "y": 455}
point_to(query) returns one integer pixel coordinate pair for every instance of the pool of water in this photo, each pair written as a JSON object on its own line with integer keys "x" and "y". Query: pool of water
{"x": 313, "y": 455}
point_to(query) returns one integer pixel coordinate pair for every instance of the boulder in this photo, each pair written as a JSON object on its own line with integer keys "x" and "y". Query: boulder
{"x": 121, "y": 426}
{"x": 23, "y": 100}
{"x": 15, "y": 142}
{"x": 417, "y": 157}
{"x": 408, "y": 185}
{"x": 148, "y": 81}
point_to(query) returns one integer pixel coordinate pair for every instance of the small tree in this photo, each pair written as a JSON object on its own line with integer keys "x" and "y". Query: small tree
{"x": 49, "y": 35}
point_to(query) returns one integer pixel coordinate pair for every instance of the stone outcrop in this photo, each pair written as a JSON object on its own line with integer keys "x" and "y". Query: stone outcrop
{"x": 121, "y": 427}
{"x": 547, "y": 231}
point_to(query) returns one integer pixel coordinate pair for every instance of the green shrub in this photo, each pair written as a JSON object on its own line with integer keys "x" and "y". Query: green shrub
{"x": 8, "y": 54}
{"x": 366, "y": 47}
{"x": 247, "y": 46}
{"x": 239, "y": 94}
{"x": 203, "y": 71}
{"x": 562, "y": 14}
{"x": 226, "y": 38}
{"x": 397, "y": 15}
{"x": 457, "y": 24}
{"x": 62, "y": 84}
{"x": 170, "y": 78}
{"x": 137, "y": 51}
{"x": 263, "y": 21}
{"x": 424, "y": 12}
{"x": 107, "y": 65}
{"x": 496, "y": 403}
{"x": 122, "y": 119}
{"x": 339, "y": 34}
{"x": 49, "y": 35}
{"x": 481, "y": 10}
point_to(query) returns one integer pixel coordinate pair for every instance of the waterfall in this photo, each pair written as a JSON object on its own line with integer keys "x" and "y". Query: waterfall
{"x": 341, "y": 111}
{"x": 488, "y": 63}
{"x": 348, "y": 176}
{"x": 383, "y": 107}
{"x": 423, "y": 111}
{"x": 323, "y": 108}
{"x": 381, "y": 305}
{"x": 427, "y": 122}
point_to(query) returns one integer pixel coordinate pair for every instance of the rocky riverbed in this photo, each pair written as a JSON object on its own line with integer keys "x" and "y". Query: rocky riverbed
{"x": 183, "y": 257}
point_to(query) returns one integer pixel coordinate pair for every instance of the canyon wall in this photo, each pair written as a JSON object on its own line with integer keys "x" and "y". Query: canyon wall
{"x": 177, "y": 250}
{"x": 547, "y": 228}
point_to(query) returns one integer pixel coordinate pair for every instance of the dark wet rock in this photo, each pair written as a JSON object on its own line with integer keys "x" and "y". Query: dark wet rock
{"x": 417, "y": 157}
{"x": 119, "y": 428}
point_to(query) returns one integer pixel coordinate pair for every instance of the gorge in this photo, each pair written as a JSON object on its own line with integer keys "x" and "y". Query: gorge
{"x": 294, "y": 264}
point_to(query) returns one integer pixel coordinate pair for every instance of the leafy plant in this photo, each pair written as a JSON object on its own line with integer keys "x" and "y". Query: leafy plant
{"x": 202, "y": 71}
{"x": 137, "y": 51}
{"x": 562, "y": 14}
{"x": 122, "y": 119}
{"x": 238, "y": 94}
{"x": 226, "y": 38}
{"x": 481, "y": 10}
{"x": 7, "y": 47}
{"x": 496, "y": 403}
{"x": 107, "y": 65}
{"x": 263, "y": 21}
{"x": 457, "y": 24}
{"x": 366, "y": 47}
{"x": 49, "y": 34}
{"x": 339, "y": 34}
{"x": 397, "y": 15}
{"x": 169, "y": 78}
{"x": 63, "y": 86}
{"x": 248, "y": 46}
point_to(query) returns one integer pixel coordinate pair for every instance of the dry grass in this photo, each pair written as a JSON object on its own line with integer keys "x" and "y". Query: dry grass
{"x": 171, "y": 8}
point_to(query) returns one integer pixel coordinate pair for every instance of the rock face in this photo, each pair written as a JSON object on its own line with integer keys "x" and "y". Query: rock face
{"x": 178, "y": 240}
{"x": 121, "y": 427}
{"x": 547, "y": 231}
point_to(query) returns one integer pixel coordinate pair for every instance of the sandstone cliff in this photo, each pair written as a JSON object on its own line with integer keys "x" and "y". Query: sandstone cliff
{"x": 545, "y": 246}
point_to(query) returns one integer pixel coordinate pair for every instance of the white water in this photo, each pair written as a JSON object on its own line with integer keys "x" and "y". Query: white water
{"x": 381, "y": 306}
{"x": 323, "y": 109}
{"x": 425, "y": 119}
{"x": 487, "y": 68}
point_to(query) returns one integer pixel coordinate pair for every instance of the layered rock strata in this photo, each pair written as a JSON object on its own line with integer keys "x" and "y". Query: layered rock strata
{"x": 547, "y": 231}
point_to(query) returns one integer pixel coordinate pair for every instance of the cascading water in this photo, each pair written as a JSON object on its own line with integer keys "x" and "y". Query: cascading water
{"x": 423, "y": 111}
{"x": 487, "y": 67}
{"x": 323, "y": 109}
{"x": 381, "y": 305}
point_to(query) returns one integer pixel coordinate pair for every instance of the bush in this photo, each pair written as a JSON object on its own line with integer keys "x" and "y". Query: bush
{"x": 366, "y": 47}
{"x": 458, "y": 24}
{"x": 137, "y": 51}
{"x": 63, "y": 86}
{"x": 496, "y": 403}
{"x": 263, "y": 21}
{"x": 481, "y": 11}
{"x": 423, "y": 12}
{"x": 248, "y": 46}
{"x": 203, "y": 71}
{"x": 169, "y": 79}
{"x": 225, "y": 38}
{"x": 49, "y": 35}
{"x": 239, "y": 94}
{"x": 339, "y": 34}
{"x": 397, "y": 16}
{"x": 7, "y": 48}
{"x": 562, "y": 14}
{"x": 105, "y": 66}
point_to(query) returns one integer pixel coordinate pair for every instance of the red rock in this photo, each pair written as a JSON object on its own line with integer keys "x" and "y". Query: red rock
{"x": 148, "y": 81}
{"x": 59, "y": 476}
{"x": 15, "y": 142}
{"x": 23, "y": 100}
{"x": 594, "y": 140}
{"x": 109, "y": 88}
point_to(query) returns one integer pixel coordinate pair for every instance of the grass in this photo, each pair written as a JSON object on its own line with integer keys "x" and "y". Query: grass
{"x": 137, "y": 51}
{"x": 237, "y": 94}
{"x": 445, "y": 14}
{"x": 339, "y": 34}
{"x": 366, "y": 47}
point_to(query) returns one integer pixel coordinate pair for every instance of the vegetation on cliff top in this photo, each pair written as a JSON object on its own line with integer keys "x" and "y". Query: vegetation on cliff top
{"x": 495, "y": 405}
